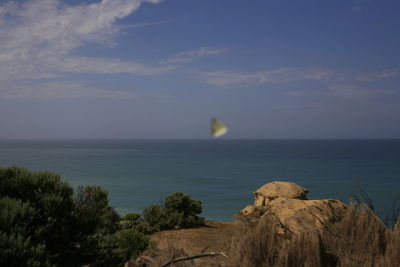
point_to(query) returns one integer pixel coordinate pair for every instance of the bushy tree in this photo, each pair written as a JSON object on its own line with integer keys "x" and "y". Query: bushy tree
{"x": 156, "y": 217}
{"x": 129, "y": 242}
{"x": 15, "y": 235}
{"x": 179, "y": 211}
{"x": 97, "y": 223}
{"x": 136, "y": 222}
{"x": 41, "y": 207}
{"x": 183, "y": 210}
{"x": 17, "y": 249}
{"x": 42, "y": 223}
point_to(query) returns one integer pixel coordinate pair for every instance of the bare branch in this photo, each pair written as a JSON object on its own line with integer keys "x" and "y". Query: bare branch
{"x": 210, "y": 254}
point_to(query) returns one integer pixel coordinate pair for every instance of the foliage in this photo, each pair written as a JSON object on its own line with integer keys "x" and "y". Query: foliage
{"x": 18, "y": 250}
{"x": 183, "y": 204}
{"x": 156, "y": 217}
{"x": 130, "y": 242}
{"x": 93, "y": 208}
{"x": 136, "y": 222}
{"x": 42, "y": 223}
{"x": 179, "y": 211}
{"x": 132, "y": 217}
{"x": 95, "y": 221}
{"x": 15, "y": 219}
{"x": 40, "y": 206}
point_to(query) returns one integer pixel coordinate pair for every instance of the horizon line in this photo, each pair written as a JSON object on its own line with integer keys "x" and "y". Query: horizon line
{"x": 195, "y": 139}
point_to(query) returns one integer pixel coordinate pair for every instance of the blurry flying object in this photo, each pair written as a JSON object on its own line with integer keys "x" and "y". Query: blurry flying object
{"x": 217, "y": 128}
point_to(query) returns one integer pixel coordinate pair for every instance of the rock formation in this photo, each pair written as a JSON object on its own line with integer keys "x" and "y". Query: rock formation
{"x": 285, "y": 202}
{"x": 274, "y": 190}
{"x": 289, "y": 204}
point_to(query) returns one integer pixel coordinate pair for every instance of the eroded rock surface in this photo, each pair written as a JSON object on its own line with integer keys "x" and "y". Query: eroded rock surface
{"x": 285, "y": 202}
{"x": 289, "y": 204}
{"x": 274, "y": 190}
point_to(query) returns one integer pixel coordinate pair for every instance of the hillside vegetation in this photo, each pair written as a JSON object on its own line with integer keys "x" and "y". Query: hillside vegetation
{"x": 43, "y": 222}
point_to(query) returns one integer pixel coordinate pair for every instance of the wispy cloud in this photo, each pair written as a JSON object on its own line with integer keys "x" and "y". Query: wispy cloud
{"x": 54, "y": 26}
{"x": 38, "y": 38}
{"x": 58, "y": 89}
{"x": 378, "y": 75}
{"x": 108, "y": 66}
{"x": 190, "y": 55}
{"x": 242, "y": 79}
{"x": 141, "y": 25}
{"x": 352, "y": 91}
{"x": 333, "y": 83}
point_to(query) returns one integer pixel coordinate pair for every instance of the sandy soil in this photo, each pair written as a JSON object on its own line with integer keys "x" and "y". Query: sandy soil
{"x": 213, "y": 237}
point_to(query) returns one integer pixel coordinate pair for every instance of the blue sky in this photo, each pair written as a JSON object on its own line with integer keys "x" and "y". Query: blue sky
{"x": 162, "y": 69}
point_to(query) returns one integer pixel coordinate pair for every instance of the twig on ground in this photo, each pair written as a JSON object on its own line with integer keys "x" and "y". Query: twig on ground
{"x": 210, "y": 254}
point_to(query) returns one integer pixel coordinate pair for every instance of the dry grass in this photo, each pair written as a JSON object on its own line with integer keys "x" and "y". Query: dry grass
{"x": 354, "y": 238}
{"x": 359, "y": 238}
{"x": 263, "y": 244}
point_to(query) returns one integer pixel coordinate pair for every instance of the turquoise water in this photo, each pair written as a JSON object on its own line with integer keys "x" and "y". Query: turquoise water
{"x": 221, "y": 173}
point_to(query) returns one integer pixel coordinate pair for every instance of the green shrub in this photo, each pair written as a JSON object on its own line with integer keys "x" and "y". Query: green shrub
{"x": 40, "y": 206}
{"x": 15, "y": 216}
{"x": 179, "y": 211}
{"x": 155, "y": 217}
{"x": 95, "y": 221}
{"x": 93, "y": 210}
{"x": 130, "y": 242}
{"x": 15, "y": 230}
{"x": 182, "y": 203}
{"x": 183, "y": 210}
{"x": 132, "y": 217}
{"x": 17, "y": 250}
{"x": 136, "y": 222}
{"x": 42, "y": 223}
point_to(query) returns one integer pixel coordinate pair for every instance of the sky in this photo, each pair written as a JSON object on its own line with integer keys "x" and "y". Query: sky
{"x": 132, "y": 69}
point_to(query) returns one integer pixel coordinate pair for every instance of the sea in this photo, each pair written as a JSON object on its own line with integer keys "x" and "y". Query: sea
{"x": 221, "y": 173}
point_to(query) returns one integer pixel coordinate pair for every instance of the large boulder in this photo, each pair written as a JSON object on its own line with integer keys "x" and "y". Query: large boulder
{"x": 288, "y": 203}
{"x": 270, "y": 191}
{"x": 296, "y": 215}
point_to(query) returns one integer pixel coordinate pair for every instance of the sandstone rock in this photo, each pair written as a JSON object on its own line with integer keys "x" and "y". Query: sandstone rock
{"x": 296, "y": 215}
{"x": 253, "y": 210}
{"x": 274, "y": 190}
{"x": 287, "y": 202}
{"x": 249, "y": 209}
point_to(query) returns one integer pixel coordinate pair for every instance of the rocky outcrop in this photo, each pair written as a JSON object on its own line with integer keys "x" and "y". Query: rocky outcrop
{"x": 274, "y": 190}
{"x": 288, "y": 203}
{"x": 285, "y": 202}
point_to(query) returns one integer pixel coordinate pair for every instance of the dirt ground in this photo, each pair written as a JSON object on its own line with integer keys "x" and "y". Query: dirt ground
{"x": 168, "y": 245}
